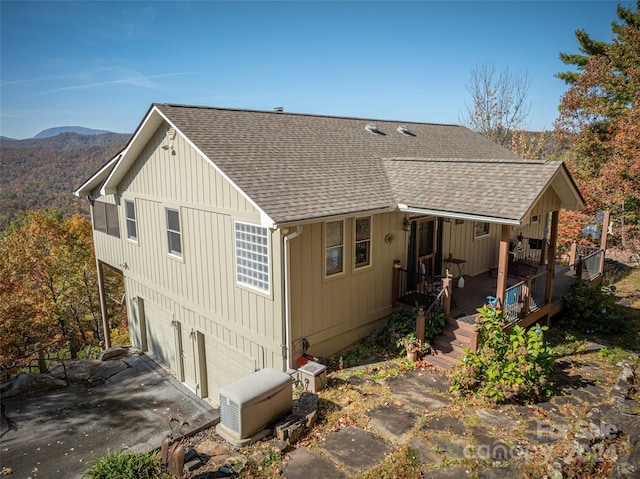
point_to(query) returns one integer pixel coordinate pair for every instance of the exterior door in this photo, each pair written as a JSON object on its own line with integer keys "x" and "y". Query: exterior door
{"x": 425, "y": 249}
{"x": 161, "y": 337}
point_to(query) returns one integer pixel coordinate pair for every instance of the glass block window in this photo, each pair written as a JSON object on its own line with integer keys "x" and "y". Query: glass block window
{"x": 363, "y": 242}
{"x": 252, "y": 256}
{"x": 174, "y": 238}
{"x": 130, "y": 216}
{"x": 334, "y": 247}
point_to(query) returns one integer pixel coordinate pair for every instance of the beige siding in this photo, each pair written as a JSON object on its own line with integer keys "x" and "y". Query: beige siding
{"x": 480, "y": 253}
{"x": 332, "y": 313}
{"x": 243, "y": 328}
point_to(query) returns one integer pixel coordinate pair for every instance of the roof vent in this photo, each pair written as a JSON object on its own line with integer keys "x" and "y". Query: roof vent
{"x": 373, "y": 129}
{"x": 278, "y": 109}
{"x": 402, "y": 129}
{"x": 171, "y": 133}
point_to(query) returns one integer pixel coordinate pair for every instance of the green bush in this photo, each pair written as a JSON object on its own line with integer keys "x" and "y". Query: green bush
{"x": 127, "y": 465}
{"x": 593, "y": 309}
{"x": 509, "y": 367}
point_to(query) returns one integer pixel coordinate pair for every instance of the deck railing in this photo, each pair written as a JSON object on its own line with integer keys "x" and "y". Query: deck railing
{"x": 592, "y": 265}
{"x": 525, "y": 297}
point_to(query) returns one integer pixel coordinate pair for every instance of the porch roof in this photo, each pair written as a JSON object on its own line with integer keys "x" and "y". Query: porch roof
{"x": 494, "y": 190}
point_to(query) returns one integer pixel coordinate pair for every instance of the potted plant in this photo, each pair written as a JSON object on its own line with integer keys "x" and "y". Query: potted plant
{"x": 411, "y": 345}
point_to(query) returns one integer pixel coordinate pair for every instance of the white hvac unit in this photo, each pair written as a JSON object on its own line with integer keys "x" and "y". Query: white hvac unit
{"x": 250, "y": 404}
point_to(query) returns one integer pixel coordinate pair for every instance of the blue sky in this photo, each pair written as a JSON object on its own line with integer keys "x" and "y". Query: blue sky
{"x": 101, "y": 64}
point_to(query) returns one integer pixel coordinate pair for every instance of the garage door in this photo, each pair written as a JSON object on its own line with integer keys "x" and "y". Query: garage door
{"x": 161, "y": 336}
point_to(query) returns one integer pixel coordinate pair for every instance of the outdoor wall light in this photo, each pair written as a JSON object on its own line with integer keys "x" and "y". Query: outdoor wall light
{"x": 406, "y": 224}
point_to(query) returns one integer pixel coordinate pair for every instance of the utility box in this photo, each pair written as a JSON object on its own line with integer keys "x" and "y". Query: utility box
{"x": 250, "y": 404}
{"x": 313, "y": 376}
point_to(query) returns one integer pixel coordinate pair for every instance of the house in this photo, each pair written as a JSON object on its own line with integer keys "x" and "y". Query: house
{"x": 245, "y": 236}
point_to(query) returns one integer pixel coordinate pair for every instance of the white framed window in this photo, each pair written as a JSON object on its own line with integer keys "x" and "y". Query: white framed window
{"x": 130, "y": 217}
{"x": 334, "y": 247}
{"x": 480, "y": 229}
{"x": 362, "y": 247}
{"x": 252, "y": 256}
{"x": 174, "y": 236}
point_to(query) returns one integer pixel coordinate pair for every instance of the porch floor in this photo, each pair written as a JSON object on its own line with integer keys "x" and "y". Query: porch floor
{"x": 477, "y": 288}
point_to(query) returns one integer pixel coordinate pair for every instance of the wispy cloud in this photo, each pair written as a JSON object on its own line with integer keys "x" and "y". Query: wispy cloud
{"x": 140, "y": 80}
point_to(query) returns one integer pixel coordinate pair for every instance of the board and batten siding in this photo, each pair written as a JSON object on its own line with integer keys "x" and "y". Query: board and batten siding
{"x": 243, "y": 328}
{"x": 333, "y": 312}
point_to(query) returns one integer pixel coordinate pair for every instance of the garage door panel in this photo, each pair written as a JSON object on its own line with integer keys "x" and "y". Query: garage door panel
{"x": 160, "y": 335}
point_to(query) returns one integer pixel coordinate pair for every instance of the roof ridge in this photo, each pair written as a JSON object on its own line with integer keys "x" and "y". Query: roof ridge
{"x": 310, "y": 115}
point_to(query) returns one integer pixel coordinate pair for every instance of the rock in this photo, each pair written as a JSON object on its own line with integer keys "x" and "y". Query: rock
{"x": 79, "y": 370}
{"x": 290, "y": 429}
{"x": 111, "y": 353}
{"x": 307, "y": 408}
{"x": 26, "y": 383}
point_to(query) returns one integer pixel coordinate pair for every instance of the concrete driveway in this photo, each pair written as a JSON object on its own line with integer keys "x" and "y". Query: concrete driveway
{"x": 60, "y": 432}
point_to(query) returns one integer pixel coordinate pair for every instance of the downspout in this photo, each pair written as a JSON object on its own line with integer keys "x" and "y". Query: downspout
{"x": 287, "y": 294}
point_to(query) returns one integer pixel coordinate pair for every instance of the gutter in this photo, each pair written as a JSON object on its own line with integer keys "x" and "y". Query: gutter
{"x": 287, "y": 293}
{"x": 462, "y": 216}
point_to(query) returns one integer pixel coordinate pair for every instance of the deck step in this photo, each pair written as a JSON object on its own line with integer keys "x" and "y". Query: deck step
{"x": 442, "y": 360}
{"x": 448, "y": 345}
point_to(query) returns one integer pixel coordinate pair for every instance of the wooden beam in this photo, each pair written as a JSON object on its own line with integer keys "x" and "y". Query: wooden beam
{"x": 503, "y": 263}
{"x": 103, "y": 305}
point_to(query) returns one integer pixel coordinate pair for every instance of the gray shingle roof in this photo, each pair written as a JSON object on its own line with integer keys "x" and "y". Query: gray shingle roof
{"x": 299, "y": 167}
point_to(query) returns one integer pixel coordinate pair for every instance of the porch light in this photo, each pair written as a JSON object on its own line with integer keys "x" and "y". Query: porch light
{"x": 406, "y": 224}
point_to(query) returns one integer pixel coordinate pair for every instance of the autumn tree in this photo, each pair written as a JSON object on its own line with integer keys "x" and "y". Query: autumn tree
{"x": 600, "y": 118}
{"x": 48, "y": 285}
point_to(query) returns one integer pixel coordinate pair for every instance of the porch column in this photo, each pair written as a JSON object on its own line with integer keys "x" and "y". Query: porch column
{"x": 551, "y": 262}
{"x": 103, "y": 305}
{"x": 503, "y": 263}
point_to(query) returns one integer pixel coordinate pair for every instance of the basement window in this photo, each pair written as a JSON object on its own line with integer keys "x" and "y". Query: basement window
{"x": 252, "y": 256}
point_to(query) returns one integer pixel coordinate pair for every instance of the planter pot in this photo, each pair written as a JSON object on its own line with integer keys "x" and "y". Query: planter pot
{"x": 412, "y": 356}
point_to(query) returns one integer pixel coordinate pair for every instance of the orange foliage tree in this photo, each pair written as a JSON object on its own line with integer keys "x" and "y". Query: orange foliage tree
{"x": 48, "y": 286}
{"x": 600, "y": 119}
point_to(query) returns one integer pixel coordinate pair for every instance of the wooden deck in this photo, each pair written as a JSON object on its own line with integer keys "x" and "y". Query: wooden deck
{"x": 477, "y": 288}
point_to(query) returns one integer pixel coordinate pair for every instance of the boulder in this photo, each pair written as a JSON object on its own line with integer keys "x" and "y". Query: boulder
{"x": 27, "y": 383}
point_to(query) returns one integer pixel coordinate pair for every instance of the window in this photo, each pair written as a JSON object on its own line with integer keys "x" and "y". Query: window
{"x": 481, "y": 228}
{"x": 174, "y": 240}
{"x": 105, "y": 218}
{"x": 334, "y": 247}
{"x": 252, "y": 256}
{"x": 363, "y": 242}
{"x": 130, "y": 216}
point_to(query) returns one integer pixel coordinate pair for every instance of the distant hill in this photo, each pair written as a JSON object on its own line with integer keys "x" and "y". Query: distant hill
{"x": 68, "y": 141}
{"x": 69, "y": 129}
{"x": 43, "y": 172}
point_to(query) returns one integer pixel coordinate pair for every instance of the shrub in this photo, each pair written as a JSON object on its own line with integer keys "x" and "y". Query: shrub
{"x": 593, "y": 309}
{"x": 511, "y": 366}
{"x": 126, "y": 465}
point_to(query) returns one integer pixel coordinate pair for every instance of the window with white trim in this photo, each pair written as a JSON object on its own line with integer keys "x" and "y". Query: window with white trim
{"x": 334, "y": 247}
{"x": 174, "y": 237}
{"x": 130, "y": 217}
{"x": 362, "y": 253}
{"x": 252, "y": 256}
{"x": 480, "y": 229}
